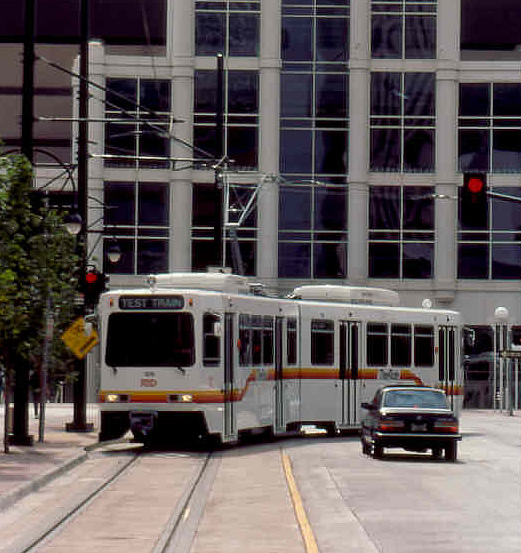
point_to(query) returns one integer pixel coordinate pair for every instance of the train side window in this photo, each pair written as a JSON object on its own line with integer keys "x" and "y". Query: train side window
{"x": 423, "y": 346}
{"x": 377, "y": 340}
{"x": 401, "y": 345}
{"x": 291, "y": 341}
{"x": 245, "y": 340}
{"x": 256, "y": 352}
{"x": 211, "y": 340}
{"x": 322, "y": 342}
{"x": 267, "y": 340}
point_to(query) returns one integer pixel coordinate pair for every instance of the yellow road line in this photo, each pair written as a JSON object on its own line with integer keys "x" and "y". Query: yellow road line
{"x": 305, "y": 528}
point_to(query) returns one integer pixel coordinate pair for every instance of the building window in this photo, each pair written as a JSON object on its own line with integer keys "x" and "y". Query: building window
{"x": 490, "y": 127}
{"x": 227, "y": 27}
{"x": 491, "y": 249}
{"x": 402, "y": 122}
{"x": 314, "y": 89}
{"x": 203, "y": 208}
{"x": 403, "y": 29}
{"x": 138, "y": 137}
{"x": 241, "y": 115}
{"x": 138, "y": 217}
{"x": 401, "y": 232}
{"x": 312, "y": 231}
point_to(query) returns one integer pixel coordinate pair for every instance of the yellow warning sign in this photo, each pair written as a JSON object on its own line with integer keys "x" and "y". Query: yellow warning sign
{"x": 78, "y": 339}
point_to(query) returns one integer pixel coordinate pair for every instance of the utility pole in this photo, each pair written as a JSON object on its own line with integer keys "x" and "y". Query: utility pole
{"x": 20, "y": 434}
{"x": 219, "y": 153}
{"x": 79, "y": 423}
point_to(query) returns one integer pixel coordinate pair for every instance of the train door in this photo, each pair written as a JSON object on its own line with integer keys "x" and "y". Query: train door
{"x": 447, "y": 361}
{"x": 349, "y": 357}
{"x": 280, "y": 411}
{"x": 230, "y": 423}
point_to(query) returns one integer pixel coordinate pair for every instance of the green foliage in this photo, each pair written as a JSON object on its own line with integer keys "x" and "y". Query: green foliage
{"x": 38, "y": 264}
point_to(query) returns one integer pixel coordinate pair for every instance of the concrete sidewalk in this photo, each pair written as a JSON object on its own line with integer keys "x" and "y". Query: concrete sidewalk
{"x": 28, "y": 468}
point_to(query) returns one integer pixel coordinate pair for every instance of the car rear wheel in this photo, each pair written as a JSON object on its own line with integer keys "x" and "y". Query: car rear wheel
{"x": 451, "y": 452}
{"x": 436, "y": 452}
{"x": 378, "y": 450}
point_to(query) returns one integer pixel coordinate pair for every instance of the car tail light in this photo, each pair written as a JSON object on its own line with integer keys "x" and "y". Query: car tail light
{"x": 447, "y": 426}
{"x": 390, "y": 425}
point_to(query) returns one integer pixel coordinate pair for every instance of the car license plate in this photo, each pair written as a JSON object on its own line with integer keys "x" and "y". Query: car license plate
{"x": 418, "y": 427}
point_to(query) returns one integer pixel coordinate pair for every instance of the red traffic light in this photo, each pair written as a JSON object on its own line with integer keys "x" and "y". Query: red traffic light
{"x": 475, "y": 184}
{"x": 91, "y": 277}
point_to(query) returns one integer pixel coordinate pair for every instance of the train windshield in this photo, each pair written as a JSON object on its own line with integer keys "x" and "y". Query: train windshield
{"x": 150, "y": 340}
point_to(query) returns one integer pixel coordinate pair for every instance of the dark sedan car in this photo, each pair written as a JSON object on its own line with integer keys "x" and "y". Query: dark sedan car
{"x": 415, "y": 418}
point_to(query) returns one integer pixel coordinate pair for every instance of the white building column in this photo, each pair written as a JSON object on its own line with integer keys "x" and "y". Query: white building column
{"x": 359, "y": 79}
{"x": 96, "y": 133}
{"x": 180, "y": 47}
{"x": 446, "y": 207}
{"x": 268, "y": 202}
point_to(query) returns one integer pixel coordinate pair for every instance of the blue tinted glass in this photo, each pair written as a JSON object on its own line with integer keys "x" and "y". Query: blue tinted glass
{"x": 296, "y": 95}
{"x": 330, "y": 152}
{"x": 294, "y": 260}
{"x": 507, "y": 99}
{"x": 474, "y": 99}
{"x": 209, "y": 33}
{"x": 506, "y": 261}
{"x": 418, "y": 152}
{"x": 384, "y": 260}
{"x": 506, "y": 215}
{"x": 386, "y": 94}
{"x": 331, "y": 91}
{"x": 332, "y": 39}
{"x": 474, "y": 150}
{"x": 244, "y": 34}
{"x": 386, "y": 38}
{"x": 121, "y": 197}
{"x": 295, "y": 208}
{"x": 473, "y": 261}
{"x": 296, "y": 39}
{"x": 330, "y": 208}
{"x": 153, "y": 204}
{"x": 420, "y": 37}
{"x": 385, "y": 149}
{"x": 384, "y": 207}
{"x": 330, "y": 260}
{"x": 296, "y": 151}
{"x": 152, "y": 256}
{"x": 506, "y": 151}
{"x": 418, "y": 260}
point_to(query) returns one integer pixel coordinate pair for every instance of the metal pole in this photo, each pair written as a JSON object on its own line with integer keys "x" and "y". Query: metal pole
{"x": 219, "y": 152}
{"x": 20, "y": 421}
{"x": 79, "y": 423}
{"x": 28, "y": 81}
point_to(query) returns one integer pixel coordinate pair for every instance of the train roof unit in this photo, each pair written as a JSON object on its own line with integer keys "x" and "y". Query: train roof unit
{"x": 212, "y": 281}
{"x": 359, "y": 295}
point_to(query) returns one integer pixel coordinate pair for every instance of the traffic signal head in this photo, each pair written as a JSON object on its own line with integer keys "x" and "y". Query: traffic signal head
{"x": 93, "y": 285}
{"x": 474, "y": 201}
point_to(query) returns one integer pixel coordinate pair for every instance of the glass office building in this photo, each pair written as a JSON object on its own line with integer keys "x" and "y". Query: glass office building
{"x": 346, "y": 124}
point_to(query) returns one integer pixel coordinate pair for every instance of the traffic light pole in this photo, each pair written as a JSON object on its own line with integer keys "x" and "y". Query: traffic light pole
{"x": 79, "y": 423}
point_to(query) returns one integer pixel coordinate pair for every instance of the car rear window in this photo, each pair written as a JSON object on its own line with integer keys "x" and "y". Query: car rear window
{"x": 425, "y": 399}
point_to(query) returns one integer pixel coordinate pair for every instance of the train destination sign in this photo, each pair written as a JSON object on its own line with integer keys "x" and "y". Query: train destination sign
{"x": 151, "y": 302}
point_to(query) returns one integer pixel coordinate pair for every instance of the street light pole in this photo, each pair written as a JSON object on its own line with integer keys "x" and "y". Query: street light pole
{"x": 79, "y": 423}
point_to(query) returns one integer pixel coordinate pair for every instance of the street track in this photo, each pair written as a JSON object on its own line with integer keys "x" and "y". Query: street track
{"x": 172, "y": 530}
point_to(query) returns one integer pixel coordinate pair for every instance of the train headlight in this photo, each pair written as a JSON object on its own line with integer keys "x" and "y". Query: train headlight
{"x": 187, "y": 398}
{"x": 112, "y": 398}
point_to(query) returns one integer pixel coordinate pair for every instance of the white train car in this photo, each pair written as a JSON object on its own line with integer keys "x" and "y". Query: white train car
{"x": 205, "y": 356}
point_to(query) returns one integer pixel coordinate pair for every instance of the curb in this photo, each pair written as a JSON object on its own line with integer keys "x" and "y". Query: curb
{"x": 23, "y": 490}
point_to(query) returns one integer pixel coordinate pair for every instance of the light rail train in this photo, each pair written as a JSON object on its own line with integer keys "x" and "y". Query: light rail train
{"x": 207, "y": 355}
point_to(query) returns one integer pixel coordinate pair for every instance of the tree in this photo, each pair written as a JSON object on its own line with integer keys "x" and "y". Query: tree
{"x": 37, "y": 273}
